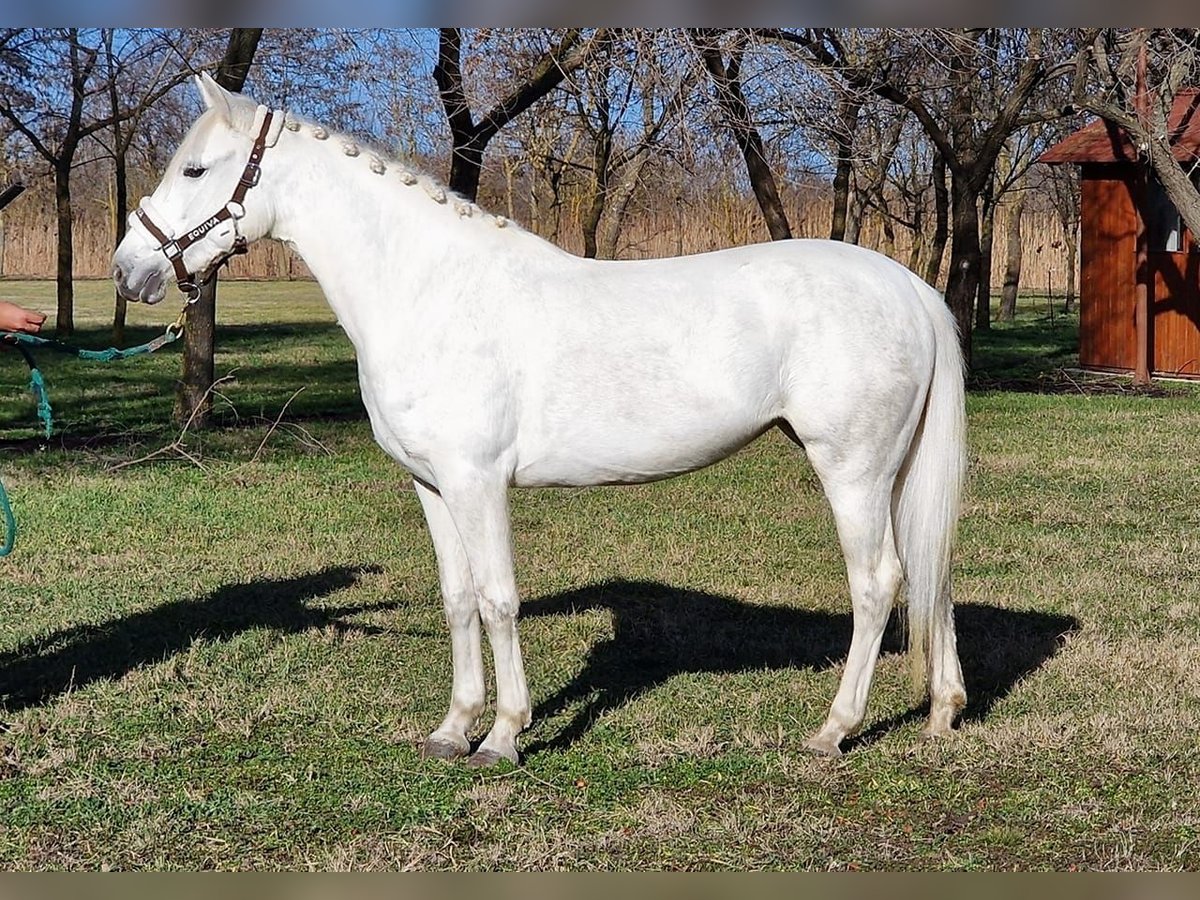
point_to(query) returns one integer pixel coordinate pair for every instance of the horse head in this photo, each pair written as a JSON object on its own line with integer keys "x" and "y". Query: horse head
{"x": 198, "y": 217}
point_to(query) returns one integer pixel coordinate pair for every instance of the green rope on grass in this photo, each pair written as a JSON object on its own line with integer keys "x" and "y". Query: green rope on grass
{"x": 37, "y": 384}
{"x": 109, "y": 354}
{"x": 10, "y": 523}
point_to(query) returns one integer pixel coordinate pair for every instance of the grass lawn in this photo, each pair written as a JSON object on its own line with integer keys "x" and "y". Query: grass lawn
{"x": 230, "y": 664}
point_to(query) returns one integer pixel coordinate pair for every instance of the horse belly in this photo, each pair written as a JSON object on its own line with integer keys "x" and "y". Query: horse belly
{"x": 593, "y": 446}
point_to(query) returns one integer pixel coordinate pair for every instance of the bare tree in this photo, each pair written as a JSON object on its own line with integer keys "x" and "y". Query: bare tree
{"x": 727, "y": 83}
{"x": 638, "y": 77}
{"x": 540, "y": 154}
{"x": 876, "y": 143}
{"x": 1013, "y": 259}
{"x": 1009, "y": 176}
{"x": 470, "y": 136}
{"x": 979, "y": 89}
{"x": 60, "y": 103}
{"x": 853, "y": 122}
{"x": 1060, "y": 184}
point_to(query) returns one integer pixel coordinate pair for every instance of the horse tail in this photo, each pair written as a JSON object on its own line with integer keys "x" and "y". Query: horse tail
{"x": 928, "y": 491}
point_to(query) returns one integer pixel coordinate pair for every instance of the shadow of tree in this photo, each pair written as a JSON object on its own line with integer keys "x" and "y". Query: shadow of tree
{"x": 40, "y": 670}
{"x": 138, "y": 404}
{"x": 662, "y": 631}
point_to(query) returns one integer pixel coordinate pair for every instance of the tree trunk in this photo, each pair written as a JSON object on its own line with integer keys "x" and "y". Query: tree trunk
{"x": 983, "y": 300}
{"x": 941, "y": 219}
{"x": 466, "y": 168}
{"x": 122, "y": 213}
{"x": 854, "y": 218}
{"x": 619, "y": 199}
{"x": 841, "y": 198}
{"x": 962, "y": 284}
{"x": 1072, "y": 235}
{"x": 888, "y": 245}
{"x": 595, "y": 208}
{"x": 510, "y": 171}
{"x": 65, "y": 321}
{"x": 917, "y": 247}
{"x": 470, "y": 138}
{"x": 735, "y": 111}
{"x": 193, "y": 401}
{"x": 1012, "y": 266}
{"x": 848, "y": 122}
{"x": 121, "y": 187}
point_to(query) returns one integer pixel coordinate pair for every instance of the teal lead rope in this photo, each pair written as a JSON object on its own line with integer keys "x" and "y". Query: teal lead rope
{"x": 10, "y": 523}
{"x": 37, "y": 384}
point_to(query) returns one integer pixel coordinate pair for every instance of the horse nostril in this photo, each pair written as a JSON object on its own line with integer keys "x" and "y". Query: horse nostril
{"x": 118, "y": 275}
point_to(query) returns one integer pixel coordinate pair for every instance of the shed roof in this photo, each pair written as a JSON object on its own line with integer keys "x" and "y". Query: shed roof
{"x": 1103, "y": 142}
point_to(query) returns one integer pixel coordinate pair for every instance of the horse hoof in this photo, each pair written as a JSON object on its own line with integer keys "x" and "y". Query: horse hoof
{"x": 822, "y": 747}
{"x": 487, "y": 759}
{"x": 939, "y": 733}
{"x": 439, "y": 749}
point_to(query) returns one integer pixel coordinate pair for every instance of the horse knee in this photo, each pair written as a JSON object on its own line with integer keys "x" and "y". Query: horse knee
{"x": 460, "y": 608}
{"x": 497, "y": 608}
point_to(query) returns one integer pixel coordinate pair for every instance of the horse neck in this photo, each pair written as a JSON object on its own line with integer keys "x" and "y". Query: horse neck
{"x": 369, "y": 239}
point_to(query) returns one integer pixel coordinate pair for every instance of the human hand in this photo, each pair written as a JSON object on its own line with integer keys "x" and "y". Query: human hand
{"x": 18, "y": 318}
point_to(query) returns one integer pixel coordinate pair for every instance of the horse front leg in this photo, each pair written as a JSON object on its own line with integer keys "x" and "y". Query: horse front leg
{"x": 478, "y": 503}
{"x": 450, "y": 740}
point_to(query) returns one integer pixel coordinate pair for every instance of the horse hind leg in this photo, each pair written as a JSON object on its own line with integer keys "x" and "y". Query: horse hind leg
{"x": 947, "y": 695}
{"x": 864, "y": 525}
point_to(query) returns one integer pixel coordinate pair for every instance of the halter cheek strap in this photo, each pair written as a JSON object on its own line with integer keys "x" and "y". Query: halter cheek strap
{"x": 173, "y": 248}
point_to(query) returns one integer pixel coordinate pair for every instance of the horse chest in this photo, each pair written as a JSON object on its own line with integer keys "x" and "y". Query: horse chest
{"x": 395, "y": 424}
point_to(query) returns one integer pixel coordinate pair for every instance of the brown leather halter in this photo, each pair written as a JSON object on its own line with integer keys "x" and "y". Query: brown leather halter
{"x": 173, "y": 248}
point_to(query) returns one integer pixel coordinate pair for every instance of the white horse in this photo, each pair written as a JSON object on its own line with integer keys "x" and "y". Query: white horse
{"x": 489, "y": 358}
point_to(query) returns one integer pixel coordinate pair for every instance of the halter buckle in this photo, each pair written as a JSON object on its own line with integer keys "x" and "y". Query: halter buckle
{"x": 172, "y": 250}
{"x": 250, "y": 175}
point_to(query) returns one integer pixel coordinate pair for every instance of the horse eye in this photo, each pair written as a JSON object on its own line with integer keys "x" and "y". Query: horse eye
{"x": 193, "y": 171}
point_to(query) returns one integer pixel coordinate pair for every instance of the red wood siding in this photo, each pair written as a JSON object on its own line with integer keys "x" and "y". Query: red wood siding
{"x": 1107, "y": 260}
{"x": 1175, "y": 304}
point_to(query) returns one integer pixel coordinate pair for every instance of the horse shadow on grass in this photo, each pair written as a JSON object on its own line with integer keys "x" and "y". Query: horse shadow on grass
{"x": 40, "y": 670}
{"x": 662, "y": 631}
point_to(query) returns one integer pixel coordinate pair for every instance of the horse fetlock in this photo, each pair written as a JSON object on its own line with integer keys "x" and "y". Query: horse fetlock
{"x": 942, "y": 713}
{"x": 463, "y": 715}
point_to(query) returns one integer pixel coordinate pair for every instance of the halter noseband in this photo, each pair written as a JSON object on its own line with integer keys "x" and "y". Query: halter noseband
{"x": 173, "y": 247}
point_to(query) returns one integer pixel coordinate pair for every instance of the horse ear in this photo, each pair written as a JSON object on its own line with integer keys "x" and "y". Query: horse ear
{"x": 214, "y": 96}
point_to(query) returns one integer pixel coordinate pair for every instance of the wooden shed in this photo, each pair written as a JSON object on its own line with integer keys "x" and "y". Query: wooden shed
{"x": 1132, "y": 238}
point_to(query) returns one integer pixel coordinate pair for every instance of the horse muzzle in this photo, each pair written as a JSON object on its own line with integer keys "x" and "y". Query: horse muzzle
{"x": 145, "y": 283}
